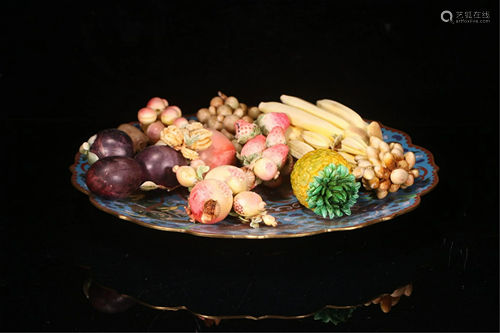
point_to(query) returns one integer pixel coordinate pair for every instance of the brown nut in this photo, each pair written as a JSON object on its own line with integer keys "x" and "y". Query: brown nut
{"x": 248, "y": 119}
{"x": 216, "y": 101}
{"x": 228, "y": 122}
{"x": 239, "y": 112}
{"x": 253, "y": 112}
{"x": 202, "y": 115}
{"x": 244, "y": 107}
{"x": 224, "y": 110}
{"x": 228, "y": 135}
{"x": 395, "y": 300}
{"x": 213, "y": 110}
{"x": 232, "y": 102}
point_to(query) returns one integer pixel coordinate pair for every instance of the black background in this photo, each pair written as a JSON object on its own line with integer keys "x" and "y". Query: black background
{"x": 71, "y": 68}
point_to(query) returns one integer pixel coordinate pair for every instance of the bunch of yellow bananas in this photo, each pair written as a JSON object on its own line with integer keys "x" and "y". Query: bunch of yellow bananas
{"x": 328, "y": 124}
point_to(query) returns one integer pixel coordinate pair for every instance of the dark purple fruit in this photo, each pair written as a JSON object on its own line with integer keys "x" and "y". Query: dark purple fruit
{"x": 112, "y": 142}
{"x": 156, "y": 164}
{"x": 114, "y": 177}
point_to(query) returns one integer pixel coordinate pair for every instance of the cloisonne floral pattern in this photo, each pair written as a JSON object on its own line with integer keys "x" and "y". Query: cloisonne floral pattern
{"x": 165, "y": 210}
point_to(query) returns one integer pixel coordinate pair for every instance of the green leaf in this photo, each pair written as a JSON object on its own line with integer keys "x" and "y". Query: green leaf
{"x": 335, "y": 316}
{"x": 336, "y": 188}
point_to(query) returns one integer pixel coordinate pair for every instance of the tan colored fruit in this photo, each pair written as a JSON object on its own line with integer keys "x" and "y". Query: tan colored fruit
{"x": 381, "y": 194}
{"x": 385, "y": 185}
{"x": 399, "y": 176}
{"x": 374, "y": 129}
{"x": 375, "y": 141}
{"x": 372, "y": 152}
{"x": 410, "y": 159}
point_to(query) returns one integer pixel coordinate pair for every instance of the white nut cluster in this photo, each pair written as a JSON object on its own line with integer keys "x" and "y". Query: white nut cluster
{"x": 385, "y": 168}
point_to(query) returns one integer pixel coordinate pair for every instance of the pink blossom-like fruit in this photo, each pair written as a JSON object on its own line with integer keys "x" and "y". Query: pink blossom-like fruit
{"x": 277, "y": 153}
{"x": 158, "y": 104}
{"x": 275, "y": 136}
{"x": 245, "y": 131}
{"x": 210, "y": 201}
{"x": 248, "y": 204}
{"x": 267, "y": 121}
{"x": 252, "y": 149}
{"x": 146, "y": 116}
{"x": 265, "y": 169}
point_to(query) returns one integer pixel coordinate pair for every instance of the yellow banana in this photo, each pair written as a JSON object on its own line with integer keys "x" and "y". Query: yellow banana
{"x": 354, "y": 146}
{"x": 314, "y": 110}
{"x": 317, "y": 140}
{"x": 299, "y": 148}
{"x": 301, "y": 118}
{"x": 362, "y": 144}
{"x": 348, "y": 157}
{"x": 351, "y": 150}
{"x": 342, "y": 111}
{"x": 293, "y": 133}
{"x": 354, "y": 131}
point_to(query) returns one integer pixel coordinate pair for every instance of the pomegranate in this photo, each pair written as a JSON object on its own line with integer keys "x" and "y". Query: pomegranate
{"x": 210, "y": 201}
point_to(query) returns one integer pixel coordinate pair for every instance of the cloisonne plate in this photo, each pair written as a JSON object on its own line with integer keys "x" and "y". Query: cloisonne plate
{"x": 163, "y": 210}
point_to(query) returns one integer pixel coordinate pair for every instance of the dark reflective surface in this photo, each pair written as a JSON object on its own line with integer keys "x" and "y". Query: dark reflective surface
{"x": 72, "y": 69}
{"x": 287, "y": 278}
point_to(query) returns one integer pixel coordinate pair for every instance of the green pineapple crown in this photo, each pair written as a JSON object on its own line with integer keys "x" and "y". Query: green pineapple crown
{"x": 333, "y": 191}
